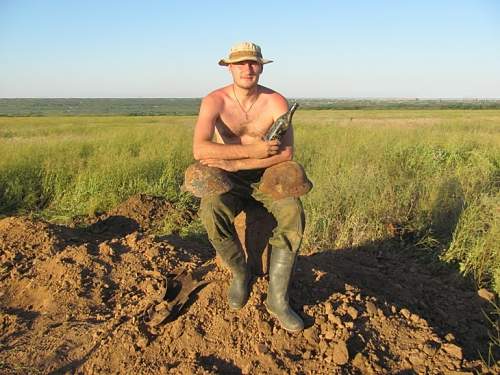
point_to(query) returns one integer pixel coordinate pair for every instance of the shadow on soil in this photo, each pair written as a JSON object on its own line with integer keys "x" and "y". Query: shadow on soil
{"x": 25, "y": 316}
{"x": 398, "y": 276}
{"x": 213, "y": 363}
{"x": 397, "y": 273}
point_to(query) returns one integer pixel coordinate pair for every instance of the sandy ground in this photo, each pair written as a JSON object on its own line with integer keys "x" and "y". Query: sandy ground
{"x": 100, "y": 300}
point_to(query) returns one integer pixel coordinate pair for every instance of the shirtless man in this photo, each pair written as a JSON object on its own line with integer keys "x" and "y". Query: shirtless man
{"x": 228, "y": 135}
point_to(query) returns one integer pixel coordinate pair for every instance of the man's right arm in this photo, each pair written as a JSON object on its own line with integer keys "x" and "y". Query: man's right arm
{"x": 205, "y": 148}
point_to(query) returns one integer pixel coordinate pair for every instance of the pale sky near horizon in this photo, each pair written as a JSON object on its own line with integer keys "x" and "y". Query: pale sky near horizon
{"x": 327, "y": 49}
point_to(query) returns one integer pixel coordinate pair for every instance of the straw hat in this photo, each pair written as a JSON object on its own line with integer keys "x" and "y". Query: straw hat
{"x": 244, "y": 51}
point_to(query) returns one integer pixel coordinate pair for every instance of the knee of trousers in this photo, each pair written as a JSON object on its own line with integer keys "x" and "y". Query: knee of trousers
{"x": 217, "y": 214}
{"x": 290, "y": 222}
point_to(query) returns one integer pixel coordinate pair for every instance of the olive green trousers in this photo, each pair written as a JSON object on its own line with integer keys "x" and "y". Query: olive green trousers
{"x": 217, "y": 213}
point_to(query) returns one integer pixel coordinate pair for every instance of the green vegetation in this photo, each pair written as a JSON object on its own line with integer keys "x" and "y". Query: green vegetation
{"x": 426, "y": 176}
{"x": 190, "y": 106}
{"x": 68, "y": 166}
{"x": 86, "y": 106}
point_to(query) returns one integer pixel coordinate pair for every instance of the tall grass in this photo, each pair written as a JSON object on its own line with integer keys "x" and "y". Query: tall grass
{"x": 433, "y": 175}
{"x": 75, "y": 166}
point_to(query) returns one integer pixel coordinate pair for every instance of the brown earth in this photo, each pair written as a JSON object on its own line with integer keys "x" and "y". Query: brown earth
{"x": 82, "y": 300}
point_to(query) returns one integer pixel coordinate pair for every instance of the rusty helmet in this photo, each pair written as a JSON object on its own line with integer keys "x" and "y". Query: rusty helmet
{"x": 287, "y": 179}
{"x": 201, "y": 180}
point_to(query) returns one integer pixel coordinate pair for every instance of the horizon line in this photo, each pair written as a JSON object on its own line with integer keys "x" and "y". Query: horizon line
{"x": 290, "y": 97}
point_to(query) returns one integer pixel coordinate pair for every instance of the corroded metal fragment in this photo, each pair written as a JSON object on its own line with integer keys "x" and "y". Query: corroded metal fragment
{"x": 201, "y": 180}
{"x": 287, "y": 179}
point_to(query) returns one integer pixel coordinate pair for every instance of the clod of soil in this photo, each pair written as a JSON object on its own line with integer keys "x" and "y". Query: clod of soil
{"x": 79, "y": 301}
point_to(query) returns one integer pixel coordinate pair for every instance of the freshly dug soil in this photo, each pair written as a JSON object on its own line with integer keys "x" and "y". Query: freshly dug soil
{"x": 81, "y": 301}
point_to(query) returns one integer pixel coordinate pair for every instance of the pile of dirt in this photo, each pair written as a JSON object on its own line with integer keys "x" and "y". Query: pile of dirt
{"x": 79, "y": 300}
{"x": 139, "y": 212}
{"x": 146, "y": 210}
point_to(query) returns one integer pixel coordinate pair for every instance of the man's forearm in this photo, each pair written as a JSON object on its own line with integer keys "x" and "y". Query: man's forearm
{"x": 263, "y": 163}
{"x": 212, "y": 150}
{"x": 203, "y": 150}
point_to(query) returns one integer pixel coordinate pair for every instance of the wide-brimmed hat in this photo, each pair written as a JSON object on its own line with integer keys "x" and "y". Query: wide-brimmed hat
{"x": 244, "y": 51}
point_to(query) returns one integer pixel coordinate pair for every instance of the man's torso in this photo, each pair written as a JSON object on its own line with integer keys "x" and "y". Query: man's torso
{"x": 233, "y": 126}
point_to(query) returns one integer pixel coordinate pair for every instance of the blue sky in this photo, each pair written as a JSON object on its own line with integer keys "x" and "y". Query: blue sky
{"x": 336, "y": 49}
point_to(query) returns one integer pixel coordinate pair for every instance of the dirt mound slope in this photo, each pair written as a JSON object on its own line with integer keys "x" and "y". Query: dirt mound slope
{"x": 146, "y": 210}
{"x": 139, "y": 212}
{"x": 80, "y": 301}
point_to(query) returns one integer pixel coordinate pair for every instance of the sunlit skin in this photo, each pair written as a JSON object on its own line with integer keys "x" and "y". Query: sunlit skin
{"x": 246, "y": 76}
{"x": 228, "y": 138}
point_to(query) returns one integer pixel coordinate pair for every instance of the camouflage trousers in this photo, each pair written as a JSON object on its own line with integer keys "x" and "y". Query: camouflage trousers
{"x": 217, "y": 213}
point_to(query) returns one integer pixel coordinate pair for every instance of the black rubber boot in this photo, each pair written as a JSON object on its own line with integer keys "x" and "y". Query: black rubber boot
{"x": 238, "y": 291}
{"x": 280, "y": 271}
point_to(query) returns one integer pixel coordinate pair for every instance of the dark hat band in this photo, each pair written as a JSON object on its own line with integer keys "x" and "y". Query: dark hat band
{"x": 238, "y": 54}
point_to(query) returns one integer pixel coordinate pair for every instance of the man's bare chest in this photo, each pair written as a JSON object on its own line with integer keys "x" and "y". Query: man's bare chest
{"x": 238, "y": 127}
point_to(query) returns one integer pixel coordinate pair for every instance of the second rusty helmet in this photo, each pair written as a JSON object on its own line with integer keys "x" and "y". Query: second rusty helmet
{"x": 287, "y": 179}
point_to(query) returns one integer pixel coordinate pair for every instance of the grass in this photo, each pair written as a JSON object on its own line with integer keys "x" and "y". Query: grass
{"x": 433, "y": 176}
{"x": 75, "y": 166}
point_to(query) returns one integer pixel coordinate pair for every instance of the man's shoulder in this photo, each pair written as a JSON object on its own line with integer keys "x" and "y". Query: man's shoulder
{"x": 275, "y": 99}
{"x": 217, "y": 95}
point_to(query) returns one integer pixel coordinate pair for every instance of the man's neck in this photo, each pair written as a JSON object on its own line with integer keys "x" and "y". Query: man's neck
{"x": 244, "y": 93}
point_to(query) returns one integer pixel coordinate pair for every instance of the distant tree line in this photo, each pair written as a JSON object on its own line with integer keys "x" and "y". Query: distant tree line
{"x": 190, "y": 106}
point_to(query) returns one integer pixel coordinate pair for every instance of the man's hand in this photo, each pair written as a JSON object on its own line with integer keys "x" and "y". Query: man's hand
{"x": 227, "y": 165}
{"x": 263, "y": 149}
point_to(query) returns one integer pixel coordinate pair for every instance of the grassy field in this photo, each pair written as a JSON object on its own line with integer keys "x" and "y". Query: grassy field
{"x": 431, "y": 177}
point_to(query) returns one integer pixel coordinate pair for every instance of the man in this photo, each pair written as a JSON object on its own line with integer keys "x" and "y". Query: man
{"x": 228, "y": 135}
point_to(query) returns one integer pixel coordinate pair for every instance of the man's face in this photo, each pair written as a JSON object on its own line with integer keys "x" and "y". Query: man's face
{"x": 246, "y": 73}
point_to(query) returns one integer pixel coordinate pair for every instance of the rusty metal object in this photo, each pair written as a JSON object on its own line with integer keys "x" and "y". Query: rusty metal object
{"x": 179, "y": 288}
{"x": 287, "y": 179}
{"x": 201, "y": 180}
